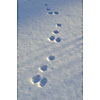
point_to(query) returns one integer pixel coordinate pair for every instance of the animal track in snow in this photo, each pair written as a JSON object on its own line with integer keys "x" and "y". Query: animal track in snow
{"x": 50, "y": 13}
{"x": 48, "y": 9}
{"x": 43, "y": 68}
{"x": 45, "y": 4}
{"x": 55, "y": 32}
{"x": 51, "y": 38}
{"x": 58, "y": 25}
{"x": 51, "y": 58}
{"x": 43, "y": 82}
{"x": 56, "y": 12}
{"x": 36, "y": 79}
{"x": 58, "y": 39}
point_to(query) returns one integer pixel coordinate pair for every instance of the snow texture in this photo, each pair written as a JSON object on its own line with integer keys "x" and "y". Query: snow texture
{"x": 37, "y": 21}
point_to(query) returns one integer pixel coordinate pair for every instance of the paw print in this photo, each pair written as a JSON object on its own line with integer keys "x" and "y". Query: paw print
{"x": 51, "y": 58}
{"x": 36, "y": 79}
{"x": 58, "y": 40}
{"x": 42, "y": 82}
{"x": 43, "y": 68}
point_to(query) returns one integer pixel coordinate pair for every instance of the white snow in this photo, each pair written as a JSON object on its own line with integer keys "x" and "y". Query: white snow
{"x": 35, "y": 26}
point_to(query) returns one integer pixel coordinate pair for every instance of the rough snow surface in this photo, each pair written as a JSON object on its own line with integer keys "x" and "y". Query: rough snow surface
{"x": 38, "y": 20}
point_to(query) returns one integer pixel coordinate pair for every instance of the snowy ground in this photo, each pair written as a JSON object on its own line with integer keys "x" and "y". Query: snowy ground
{"x": 35, "y": 26}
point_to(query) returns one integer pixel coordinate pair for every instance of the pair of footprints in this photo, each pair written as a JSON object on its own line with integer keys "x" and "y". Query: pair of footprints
{"x": 41, "y": 82}
{"x": 51, "y": 12}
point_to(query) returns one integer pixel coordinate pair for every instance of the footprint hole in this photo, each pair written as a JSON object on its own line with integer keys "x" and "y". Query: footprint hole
{"x": 56, "y": 12}
{"x": 43, "y": 68}
{"x": 58, "y": 39}
{"x": 51, "y": 58}
{"x": 50, "y": 13}
{"x": 58, "y": 25}
{"x": 51, "y": 38}
{"x": 36, "y": 78}
{"x": 43, "y": 82}
{"x": 48, "y": 9}
{"x": 55, "y": 32}
{"x": 45, "y": 4}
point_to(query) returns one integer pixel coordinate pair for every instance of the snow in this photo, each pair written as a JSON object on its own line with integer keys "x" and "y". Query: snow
{"x": 35, "y": 26}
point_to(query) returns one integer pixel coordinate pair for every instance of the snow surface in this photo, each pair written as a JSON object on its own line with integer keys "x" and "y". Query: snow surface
{"x": 35, "y": 26}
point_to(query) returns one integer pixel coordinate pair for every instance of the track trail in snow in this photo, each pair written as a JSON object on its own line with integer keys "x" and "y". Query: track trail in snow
{"x": 41, "y": 82}
{"x": 50, "y": 50}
